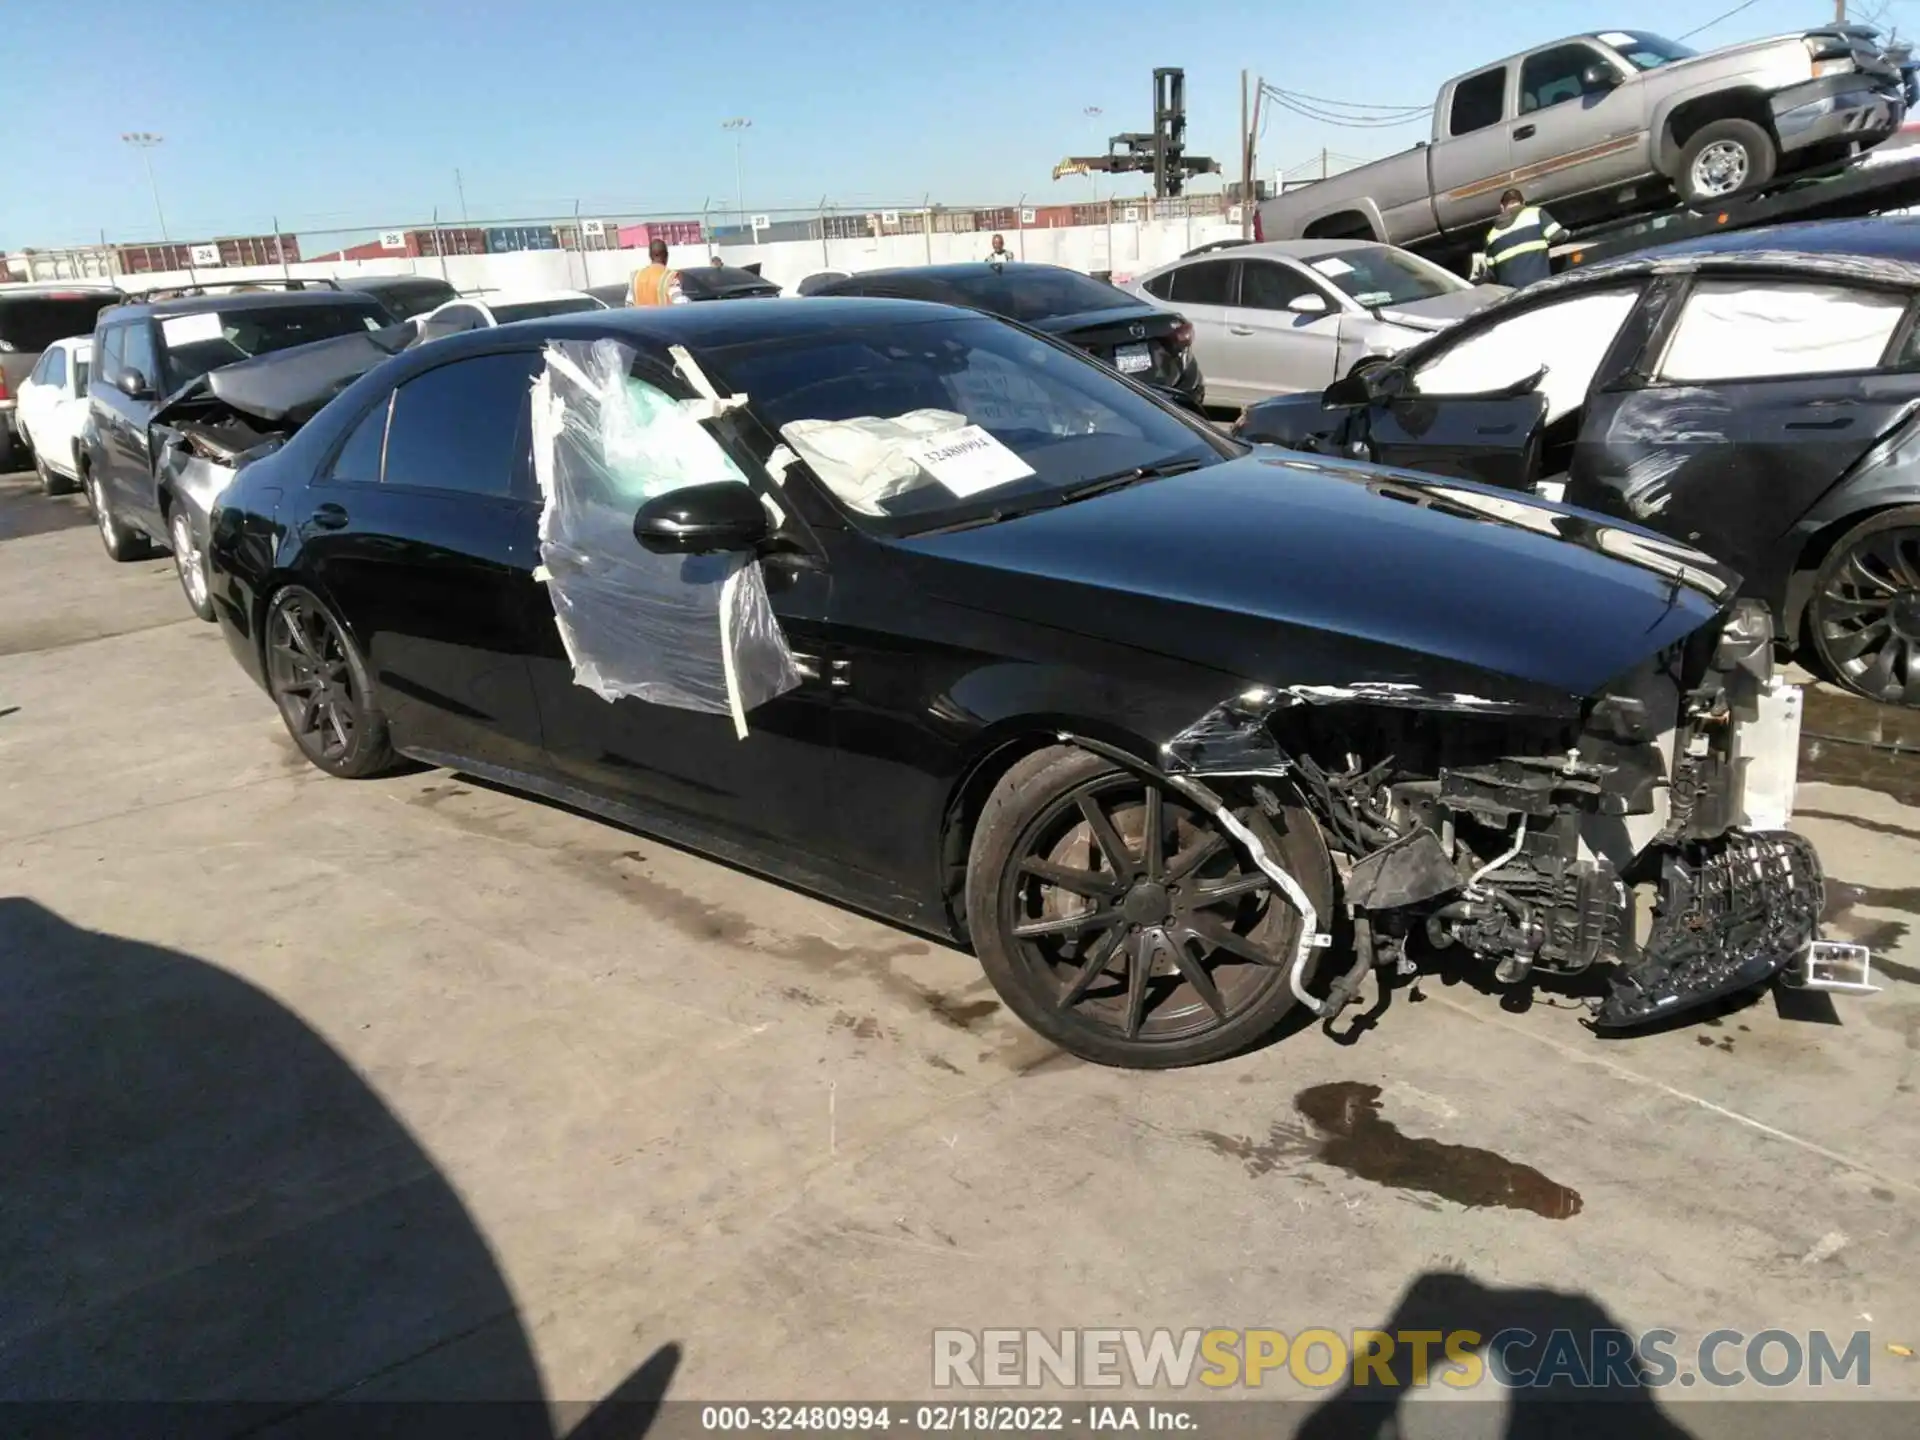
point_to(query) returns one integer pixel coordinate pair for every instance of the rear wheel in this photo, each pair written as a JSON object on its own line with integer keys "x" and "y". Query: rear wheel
{"x": 1124, "y": 924}
{"x": 51, "y": 481}
{"x": 122, "y": 542}
{"x": 1864, "y": 619}
{"x": 190, "y": 562}
{"x": 319, "y": 680}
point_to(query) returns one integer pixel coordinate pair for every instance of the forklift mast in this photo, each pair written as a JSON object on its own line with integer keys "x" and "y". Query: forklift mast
{"x": 1161, "y": 151}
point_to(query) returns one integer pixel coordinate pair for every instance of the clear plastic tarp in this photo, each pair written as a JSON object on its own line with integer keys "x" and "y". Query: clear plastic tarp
{"x": 693, "y": 631}
{"x": 1747, "y": 329}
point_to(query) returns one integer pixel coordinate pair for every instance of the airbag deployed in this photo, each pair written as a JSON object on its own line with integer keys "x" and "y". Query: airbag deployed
{"x": 692, "y": 631}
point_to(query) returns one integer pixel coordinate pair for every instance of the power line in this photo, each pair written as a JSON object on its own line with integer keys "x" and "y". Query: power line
{"x": 1743, "y": 5}
{"x": 1355, "y": 117}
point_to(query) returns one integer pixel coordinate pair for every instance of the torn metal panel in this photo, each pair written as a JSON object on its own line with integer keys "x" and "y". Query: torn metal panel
{"x": 693, "y": 631}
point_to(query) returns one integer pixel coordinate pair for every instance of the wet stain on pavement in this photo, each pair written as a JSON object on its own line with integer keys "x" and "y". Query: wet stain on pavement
{"x": 1724, "y": 1043}
{"x": 1874, "y": 827}
{"x": 1845, "y": 740}
{"x": 1345, "y": 1129}
{"x": 1841, "y": 923}
{"x": 28, "y": 512}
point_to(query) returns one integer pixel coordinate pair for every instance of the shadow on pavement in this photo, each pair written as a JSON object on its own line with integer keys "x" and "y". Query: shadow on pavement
{"x": 1584, "y": 1398}
{"x": 205, "y": 1205}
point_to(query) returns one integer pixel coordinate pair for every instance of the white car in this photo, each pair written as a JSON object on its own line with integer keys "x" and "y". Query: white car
{"x": 52, "y": 407}
{"x": 1290, "y": 315}
{"x": 470, "y": 313}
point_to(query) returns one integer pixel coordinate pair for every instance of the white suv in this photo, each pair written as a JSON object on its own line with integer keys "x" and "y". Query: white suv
{"x": 52, "y": 406}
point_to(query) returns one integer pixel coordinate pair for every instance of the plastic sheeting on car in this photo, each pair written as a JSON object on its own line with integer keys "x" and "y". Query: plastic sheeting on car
{"x": 1568, "y": 338}
{"x": 693, "y": 631}
{"x": 1751, "y": 328}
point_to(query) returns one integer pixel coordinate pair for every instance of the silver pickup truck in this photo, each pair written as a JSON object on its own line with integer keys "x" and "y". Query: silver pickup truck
{"x": 1604, "y": 124}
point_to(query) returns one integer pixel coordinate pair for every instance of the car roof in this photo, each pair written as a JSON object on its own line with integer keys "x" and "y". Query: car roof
{"x": 966, "y": 270}
{"x": 1891, "y": 237}
{"x": 390, "y": 282}
{"x": 492, "y": 299}
{"x": 243, "y": 300}
{"x": 1882, "y": 249}
{"x": 713, "y": 326}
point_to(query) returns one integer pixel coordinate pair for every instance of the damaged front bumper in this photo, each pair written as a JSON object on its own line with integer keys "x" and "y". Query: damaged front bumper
{"x": 1734, "y": 913}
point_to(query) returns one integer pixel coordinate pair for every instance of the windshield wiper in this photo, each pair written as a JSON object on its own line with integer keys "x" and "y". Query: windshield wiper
{"x": 1120, "y": 479}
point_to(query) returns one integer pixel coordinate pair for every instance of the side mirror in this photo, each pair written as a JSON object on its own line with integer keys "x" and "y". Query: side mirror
{"x": 1308, "y": 305}
{"x": 134, "y": 384}
{"x": 1373, "y": 380}
{"x": 700, "y": 519}
{"x": 1599, "y": 77}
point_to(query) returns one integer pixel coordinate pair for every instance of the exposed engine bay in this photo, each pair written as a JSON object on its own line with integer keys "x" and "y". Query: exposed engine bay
{"x": 1645, "y": 833}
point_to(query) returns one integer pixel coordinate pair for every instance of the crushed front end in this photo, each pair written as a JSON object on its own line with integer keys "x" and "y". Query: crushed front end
{"x": 1643, "y": 831}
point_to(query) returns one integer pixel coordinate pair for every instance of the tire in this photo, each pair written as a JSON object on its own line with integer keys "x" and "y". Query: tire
{"x": 1072, "y": 977}
{"x": 318, "y": 680}
{"x": 8, "y": 447}
{"x": 190, "y": 562}
{"x": 1863, "y": 618}
{"x": 121, "y": 542}
{"x": 1738, "y": 151}
{"x": 51, "y": 482}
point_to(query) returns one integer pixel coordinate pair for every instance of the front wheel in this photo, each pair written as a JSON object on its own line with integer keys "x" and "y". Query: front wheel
{"x": 1864, "y": 618}
{"x": 1124, "y": 923}
{"x": 1722, "y": 159}
{"x": 319, "y": 681}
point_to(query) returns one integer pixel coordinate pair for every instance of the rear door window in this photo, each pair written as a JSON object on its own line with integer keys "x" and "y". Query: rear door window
{"x": 359, "y": 459}
{"x": 1738, "y": 330}
{"x": 1478, "y": 101}
{"x": 1207, "y": 282}
{"x": 463, "y": 426}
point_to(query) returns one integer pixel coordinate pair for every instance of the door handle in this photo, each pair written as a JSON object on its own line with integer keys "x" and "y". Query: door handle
{"x": 1838, "y": 423}
{"x": 1524, "y": 132}
{"x": 1239, "y": 329}
{"x": 330, "y": 517}
{"x": 1506, "y": 429}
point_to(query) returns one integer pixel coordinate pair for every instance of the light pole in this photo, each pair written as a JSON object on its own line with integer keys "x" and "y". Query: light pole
{"x": 144, "y": 141}
{"x": 1093, "y": 114}
{"x": 739, "y": 124}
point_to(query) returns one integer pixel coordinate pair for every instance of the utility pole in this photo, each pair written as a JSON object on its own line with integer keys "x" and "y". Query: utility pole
{"x": 1839, "y": 12}
{"x": 461, "y": 187}
{"x": 1323, "y": 163}
{"x": 738, "y": 125}
{"x": 1093, "y": 114}
{"x": 1246, "y": 164}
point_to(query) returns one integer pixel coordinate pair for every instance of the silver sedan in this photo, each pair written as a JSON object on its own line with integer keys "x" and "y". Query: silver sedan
{"x": 1292, "y": 315}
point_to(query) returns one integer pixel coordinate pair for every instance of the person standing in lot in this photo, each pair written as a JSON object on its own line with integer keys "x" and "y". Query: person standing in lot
{"x": 999, "y": 255}
{"x": 1516, "y": 252}
{"x": 658, "y": 283}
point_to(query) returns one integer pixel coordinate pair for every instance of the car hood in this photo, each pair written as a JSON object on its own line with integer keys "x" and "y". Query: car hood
{"x": 287, "y": 388}
{"x": 1288, "y": 570}
{"x": 1436, "y": 312}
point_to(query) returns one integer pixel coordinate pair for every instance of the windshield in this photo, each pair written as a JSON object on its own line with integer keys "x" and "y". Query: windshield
{"x": 1379, "y": 276}
{"x": 919, "y": 426}
{"x": 208, "y": 339}
{"x": 1035, "y": 292}
{"x": 535, "y": 309}
{"x": 30, "y": 323}
{"x": 1644, "y": 51}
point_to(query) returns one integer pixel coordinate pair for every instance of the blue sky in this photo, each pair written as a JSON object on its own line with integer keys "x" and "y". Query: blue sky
{"x": 356, "y": 114}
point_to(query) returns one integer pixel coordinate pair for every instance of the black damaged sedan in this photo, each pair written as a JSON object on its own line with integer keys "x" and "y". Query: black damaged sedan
{"x": 943, "y": 620}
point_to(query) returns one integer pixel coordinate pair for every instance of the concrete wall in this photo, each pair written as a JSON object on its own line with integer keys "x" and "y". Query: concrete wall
{"x": 1121, "y": 248}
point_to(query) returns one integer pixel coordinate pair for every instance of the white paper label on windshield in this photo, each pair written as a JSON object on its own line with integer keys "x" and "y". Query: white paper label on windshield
{"x": 187, "y": 329}
{"x": 1619, "y": 40}
{"x": 1332, "y": 266}
{"x": 967, "y": 461}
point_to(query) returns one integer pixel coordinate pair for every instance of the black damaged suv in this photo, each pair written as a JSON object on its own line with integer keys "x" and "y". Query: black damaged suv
{"x": 145, "y": 353}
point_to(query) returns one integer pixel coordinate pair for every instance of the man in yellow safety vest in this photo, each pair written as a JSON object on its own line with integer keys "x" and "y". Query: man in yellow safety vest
{"x": 1517, "y": 245}
{"x": 657, "y": 284}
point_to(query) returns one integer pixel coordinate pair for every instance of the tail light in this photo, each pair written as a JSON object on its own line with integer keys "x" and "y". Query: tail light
{"x": 4, "y": 392}
{"x": 1259, "y": 231}
{"x": 1182, "y": 336}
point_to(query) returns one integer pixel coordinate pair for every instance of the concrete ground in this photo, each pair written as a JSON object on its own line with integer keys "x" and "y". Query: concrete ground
{"x": 412, "y": 1088}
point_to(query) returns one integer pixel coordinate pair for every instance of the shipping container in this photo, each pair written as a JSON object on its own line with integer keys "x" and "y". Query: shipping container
{"x": 1053, "y": 217}
{"x": 674, "y": 232}
{"x": 593, "y": 235}
{"x": 207, "y": 254}
{"x": 504, "y": 239}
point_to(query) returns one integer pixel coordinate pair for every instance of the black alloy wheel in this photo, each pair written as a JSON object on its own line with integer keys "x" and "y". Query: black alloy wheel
{"x": 1125, "y": 924}
{"x": 1865, "y": 613}
{"x": 320, "y": 683}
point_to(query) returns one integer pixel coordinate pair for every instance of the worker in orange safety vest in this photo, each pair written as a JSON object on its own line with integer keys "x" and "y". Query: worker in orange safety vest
{"x": 658, "y": 283}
